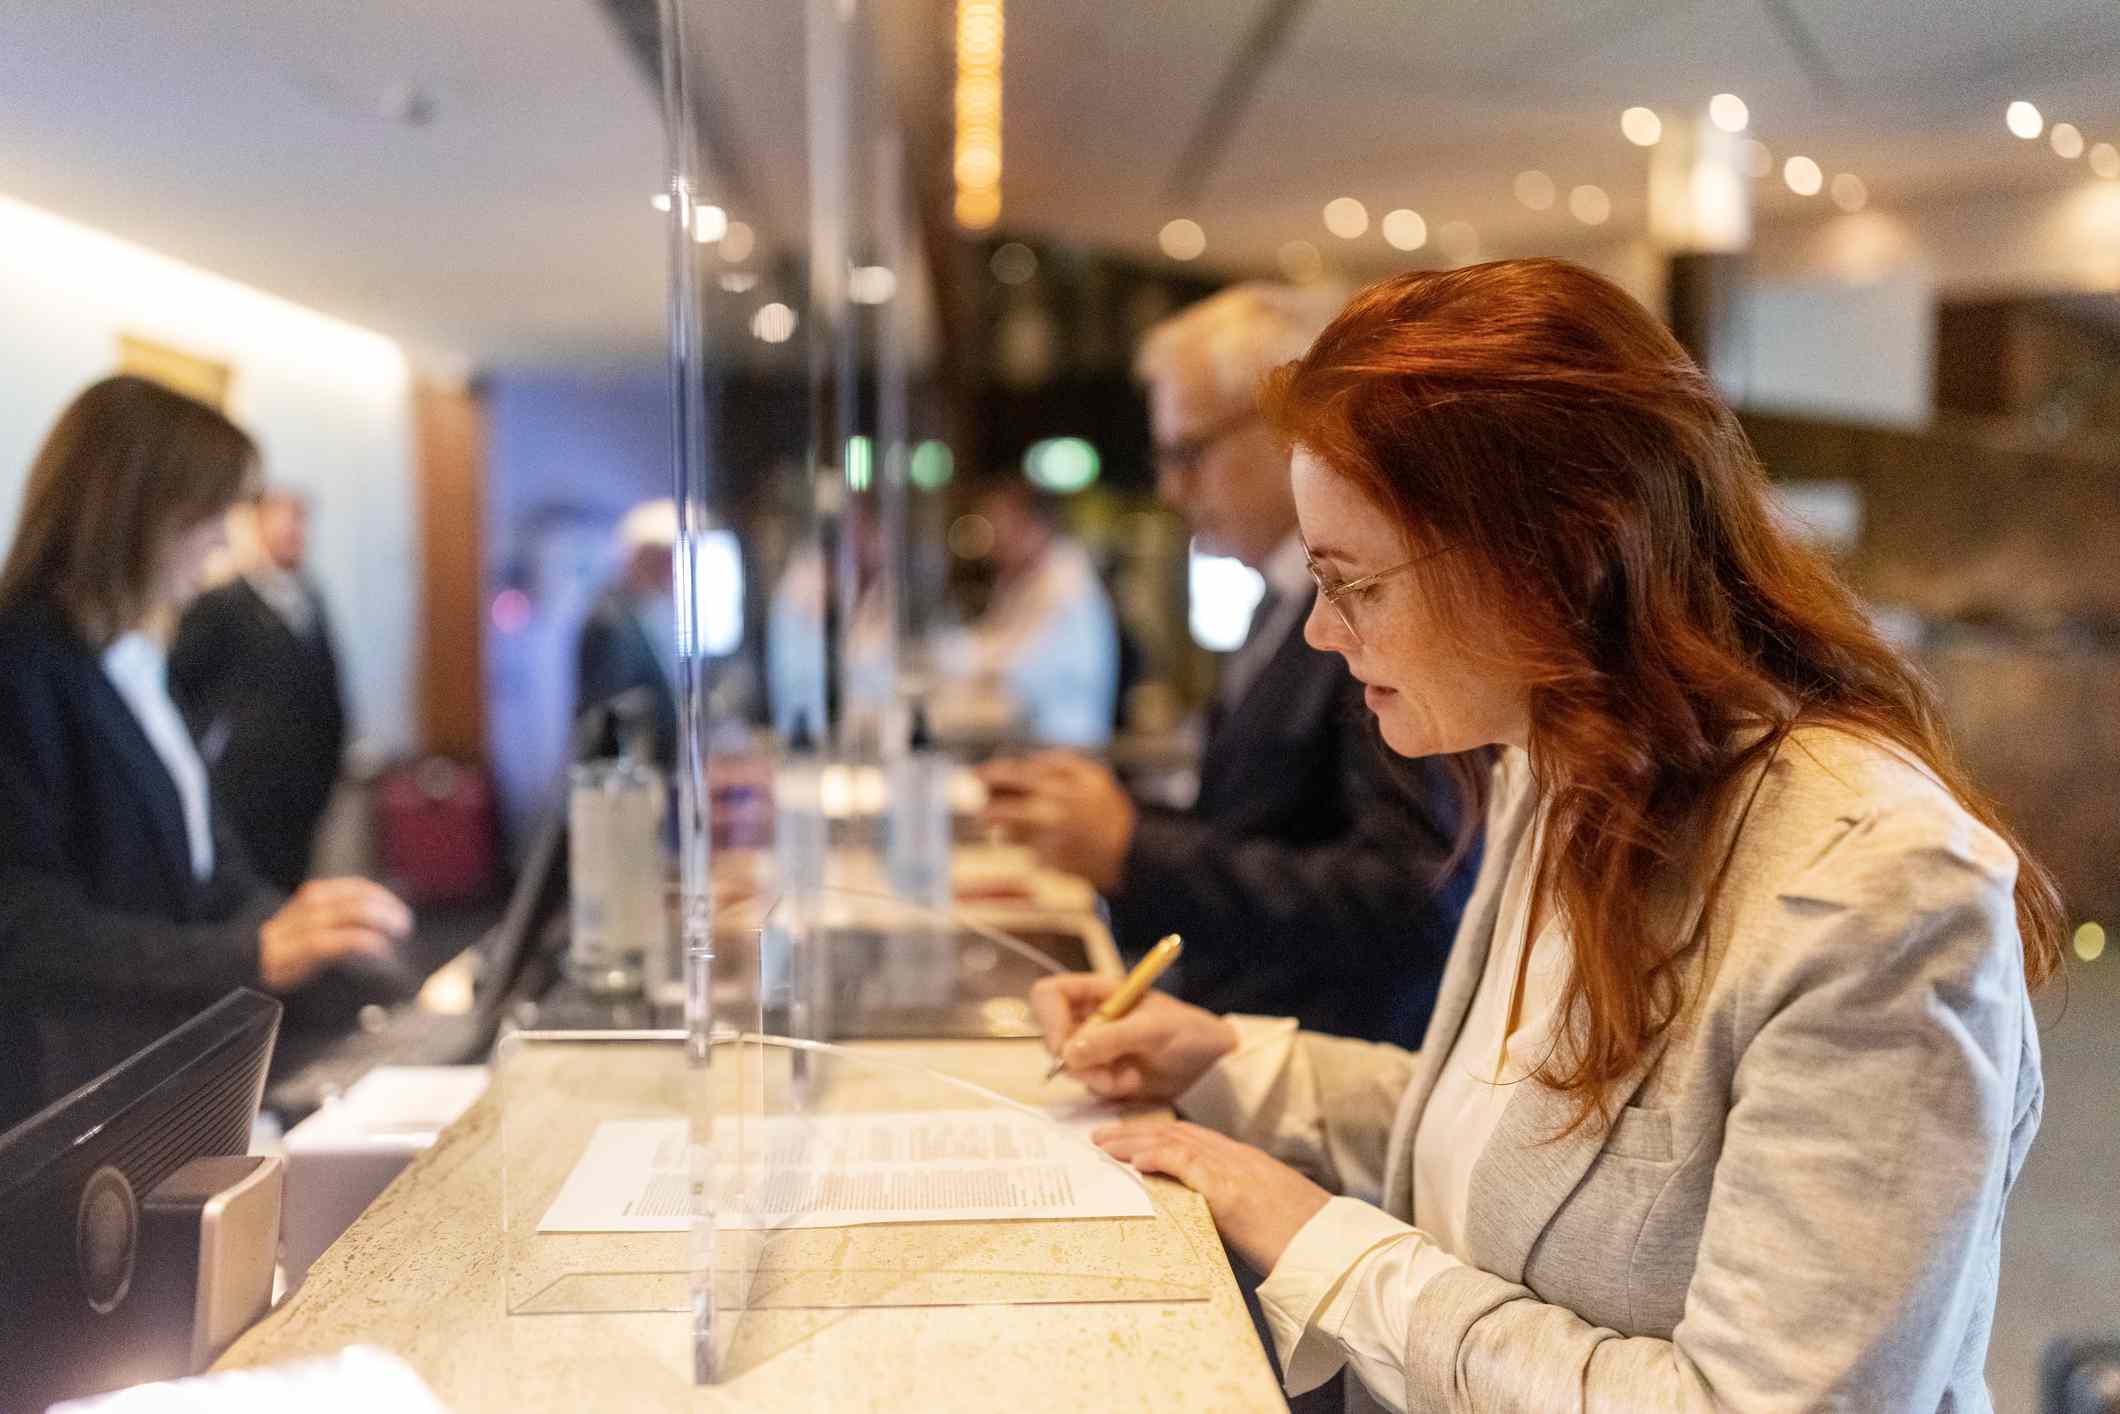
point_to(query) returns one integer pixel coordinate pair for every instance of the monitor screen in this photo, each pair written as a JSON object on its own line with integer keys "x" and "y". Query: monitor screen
{"x": 73, "y": 1180}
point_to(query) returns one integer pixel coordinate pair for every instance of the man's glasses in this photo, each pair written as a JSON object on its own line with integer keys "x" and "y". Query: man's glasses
{"x": 1337, "y": 592}
{"x": 1183, "y": 456}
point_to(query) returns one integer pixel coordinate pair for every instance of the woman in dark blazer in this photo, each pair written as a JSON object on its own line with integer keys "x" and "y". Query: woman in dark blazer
{"x": 122, "y": 909}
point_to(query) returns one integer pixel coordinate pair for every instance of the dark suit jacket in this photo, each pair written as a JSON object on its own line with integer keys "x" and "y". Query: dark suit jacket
{"x": 1304, "y": 877}
{"x": 264, "y": 704}
{"x": 106, "y": 939}
{"x": 614, "y": 657}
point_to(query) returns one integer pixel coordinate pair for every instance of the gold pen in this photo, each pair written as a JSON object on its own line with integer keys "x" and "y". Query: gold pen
{"x": 1130, "y": 992}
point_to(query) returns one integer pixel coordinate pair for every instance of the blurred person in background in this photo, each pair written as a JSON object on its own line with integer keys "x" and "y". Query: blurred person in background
{"x": 1047, "y": 640}
{"x": 1735, "y": 1063}
{"x": 629, "y": 640}
{"x": 123, "y": 910}
{"x": 1313, "y": 876}
{"x": 799, "y": 620}
{"x": 254, "y": 669}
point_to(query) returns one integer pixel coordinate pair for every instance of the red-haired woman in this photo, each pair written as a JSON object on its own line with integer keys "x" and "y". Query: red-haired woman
{"x": 1734, "y": 1063}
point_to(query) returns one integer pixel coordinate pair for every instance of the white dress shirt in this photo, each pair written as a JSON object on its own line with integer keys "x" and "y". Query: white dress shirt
{"x": 1344, "y": 1288}
{"x": 286, "y": 595}
{"x": 138, "y": 667}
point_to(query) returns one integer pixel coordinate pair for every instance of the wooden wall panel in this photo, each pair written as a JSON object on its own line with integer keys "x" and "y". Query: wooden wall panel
{"x": 451, "y": 429}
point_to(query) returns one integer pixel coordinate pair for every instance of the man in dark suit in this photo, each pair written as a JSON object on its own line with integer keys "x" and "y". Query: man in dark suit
{"x": 629, "y": 641}
{"x": 254, "y": 670}
{"x": 1313, "y": 876}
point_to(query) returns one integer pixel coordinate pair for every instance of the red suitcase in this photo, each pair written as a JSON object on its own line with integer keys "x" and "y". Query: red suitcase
{"x": 436, "y": 826}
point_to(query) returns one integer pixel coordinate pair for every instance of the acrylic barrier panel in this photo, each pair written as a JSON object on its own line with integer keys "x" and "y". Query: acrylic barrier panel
{"x": 888, "y": 1181}
{"x": 869, "y": 1178}
{"x": 567, "y": 1098}
{"x": 838, "y": 964}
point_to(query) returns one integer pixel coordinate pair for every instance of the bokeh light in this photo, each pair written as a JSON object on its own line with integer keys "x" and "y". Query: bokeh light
{"x": 1182, "y": 239}
{"x": 1346, "y": 218}
{"x": 1642, "y": 127}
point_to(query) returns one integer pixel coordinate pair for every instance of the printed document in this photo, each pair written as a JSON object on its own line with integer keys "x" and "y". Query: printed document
{"x": 845, "y": 1170}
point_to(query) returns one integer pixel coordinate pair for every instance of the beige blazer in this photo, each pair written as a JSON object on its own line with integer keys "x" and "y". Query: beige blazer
{"x": 1800, "y": 1203}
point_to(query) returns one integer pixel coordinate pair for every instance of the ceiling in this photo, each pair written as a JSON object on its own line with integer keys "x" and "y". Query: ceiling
{"x": 243, "y": 136}
{"x": 513, "y": 224}
{"x": 1438, "y": 106}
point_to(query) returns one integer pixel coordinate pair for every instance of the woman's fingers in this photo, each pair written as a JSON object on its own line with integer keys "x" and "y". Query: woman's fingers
{"x": 1156, "y": 1146}
{"x": 1124, "y": 1139}
{"x": 332, "y": 943}
{"x": 1108, "y": 1042}
{"x": 1113, "y": 1082}
{"x": 1059, "y": 1003}
{"x": 356, "y": 903}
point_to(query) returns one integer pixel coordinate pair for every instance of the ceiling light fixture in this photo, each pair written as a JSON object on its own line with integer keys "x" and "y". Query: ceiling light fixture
{"x": 1300, "y": 261}
{"x": 2024, "y": 120}
{"x": 1803, "y": 176}
{"x": 1458, "y": 241}
{"x": 709, "y": 224}
{"x": 1182, "y": 239}
{"x": 1404, "y": 229}
{"x": 2066, "y": 140}
{"x": 2105, "y": 160}
{"x": 773, "y": 323}
{"x": 1728, "y": 112}
{"x": 977, "y": 164}
{"x": 1535, "y": 190}
{"x": 1346, "y": 218}
{"x": 1013, "y": 263}
{"x": 1642, "y": 127}
{"x": 1849, "y": 193}
{"x": 1590, "y": 205}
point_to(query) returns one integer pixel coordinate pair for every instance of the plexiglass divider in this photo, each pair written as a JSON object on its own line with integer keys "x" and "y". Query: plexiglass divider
{"x": 792, "y": 265}
{"x": 819, "y": 1158}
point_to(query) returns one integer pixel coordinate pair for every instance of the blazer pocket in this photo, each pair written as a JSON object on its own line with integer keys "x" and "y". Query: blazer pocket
{"x": 1641, "y": 1133}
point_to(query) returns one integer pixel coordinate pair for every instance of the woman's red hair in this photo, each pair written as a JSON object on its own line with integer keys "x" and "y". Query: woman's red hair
{"x": 1592, "y": 483}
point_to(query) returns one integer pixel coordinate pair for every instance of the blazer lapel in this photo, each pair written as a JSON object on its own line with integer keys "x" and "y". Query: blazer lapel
{"x": 1239, "y": 730}
{"x": 1461, "y": 980}
{"x": 1526, "y": 1173}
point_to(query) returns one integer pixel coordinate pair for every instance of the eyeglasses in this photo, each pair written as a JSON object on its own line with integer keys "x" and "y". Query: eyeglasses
{"x": 1336, "y": 592}
{"x": 1183, "y": 456}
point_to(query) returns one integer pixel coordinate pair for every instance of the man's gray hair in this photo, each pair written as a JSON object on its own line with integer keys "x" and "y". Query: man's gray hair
{"x": 1236, "y": 337}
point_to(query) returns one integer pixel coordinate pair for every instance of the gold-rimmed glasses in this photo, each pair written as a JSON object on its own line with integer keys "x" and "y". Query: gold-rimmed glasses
{"x": 1336, "y": 591}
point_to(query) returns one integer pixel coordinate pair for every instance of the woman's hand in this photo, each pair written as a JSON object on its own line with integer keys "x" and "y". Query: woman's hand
{"x": 327, "y": 919}
{"x": 1258, "y": 1202}
{"x": 1155, "y": 1052}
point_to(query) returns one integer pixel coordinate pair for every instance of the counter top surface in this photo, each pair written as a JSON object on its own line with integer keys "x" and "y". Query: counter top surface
{"x": 422, "y": 1274}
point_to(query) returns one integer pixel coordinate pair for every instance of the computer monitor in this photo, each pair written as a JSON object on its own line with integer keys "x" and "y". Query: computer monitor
{"x": 76, "y": 1284}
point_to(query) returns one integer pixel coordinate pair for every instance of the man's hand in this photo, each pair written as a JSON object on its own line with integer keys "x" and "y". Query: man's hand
{"x": 1258, "y": 1202}
{"x": 1072, "y": 812}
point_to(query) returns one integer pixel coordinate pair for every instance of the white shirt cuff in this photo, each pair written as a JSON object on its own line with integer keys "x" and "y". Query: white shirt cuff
{"x": 1343, "y": 1290}
{"x": 1236, "y": 1086}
